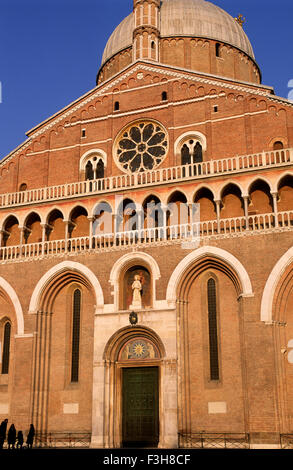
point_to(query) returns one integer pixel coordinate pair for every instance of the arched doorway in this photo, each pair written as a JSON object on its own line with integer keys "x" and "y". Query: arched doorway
{"x": 134, "y": 364}
{"x": 140, "y": 393}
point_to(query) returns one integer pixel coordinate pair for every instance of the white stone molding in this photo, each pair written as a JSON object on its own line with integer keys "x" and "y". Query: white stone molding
{"x": 133, "y": 258}
{"x": 78, "y": 203}
{"x": 280, "y": 177}
{"x": 55, "y": 208}
{"x": 38, "y": 211}
{"x": 194, "y": 135}
{"x": 259, "y": 177}
{"x": 6, "y": 217}
{"x": 206, "y": 185}
{"x": 8, "y": 289}
{"x": 202, "y": 252}
{"x": 100, "y": 154}
{"x": 266, "y": 311}
{"x": 220, "y": 191}
{"x": 62, "y": 267}
{"x": 176, "y": 189}
{"x": 100, "y": 202}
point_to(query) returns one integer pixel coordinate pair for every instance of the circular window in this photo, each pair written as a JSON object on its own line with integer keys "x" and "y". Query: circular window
{"x": 141, "y": 146}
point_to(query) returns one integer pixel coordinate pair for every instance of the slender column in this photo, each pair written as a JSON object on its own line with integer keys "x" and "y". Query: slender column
{"x": 275, "y": 204}
{"x": 190, "y": 210}
{"x": 66, "y": 234}
{"x": 44, "y": 226}
{"x": 218, "y": 208}
{"x": 2, "y": 255}
{"x": 165, "y": 209}
{"x": 21, "y": 238}
{"x": 91, "y": 220}
{"x": 246, "y": 199}
{"x": 115, "y": 216}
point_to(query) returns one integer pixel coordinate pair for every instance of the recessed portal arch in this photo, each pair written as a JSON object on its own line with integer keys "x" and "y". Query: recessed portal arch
{"x": 134, "y": 362}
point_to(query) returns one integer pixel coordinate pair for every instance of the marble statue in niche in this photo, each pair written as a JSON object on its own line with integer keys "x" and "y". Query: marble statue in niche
{"x": 137, "y": 289}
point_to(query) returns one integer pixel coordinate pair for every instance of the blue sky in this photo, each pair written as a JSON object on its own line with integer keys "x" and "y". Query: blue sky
{"x": 50, "y": 52}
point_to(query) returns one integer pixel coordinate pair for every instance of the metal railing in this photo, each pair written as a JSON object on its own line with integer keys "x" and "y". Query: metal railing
{"x": 237, "y": 164}
{"x": 214, "y": 440}
{"x": 63, "y": 440}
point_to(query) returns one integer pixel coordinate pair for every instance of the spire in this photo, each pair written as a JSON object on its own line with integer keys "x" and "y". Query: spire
{"x": 146, "y": 29}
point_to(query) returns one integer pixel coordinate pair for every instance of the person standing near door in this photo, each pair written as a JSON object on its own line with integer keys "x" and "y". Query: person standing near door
{"x": 3, "y": 428}
{"x": 11, "y": 437}
{"x": 30, "y": 437}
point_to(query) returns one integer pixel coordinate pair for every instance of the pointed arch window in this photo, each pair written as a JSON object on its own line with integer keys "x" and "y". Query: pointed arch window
{"x": 89, "y": 171}
{"x": 100, "y": 170}
{"x": 197, "y": 153}
{"x": 185, "y": 155}
{"x": 6, "y": 348}
{"x": 95, "y": 169}
{"x": 75, "y": 336}
{"x": 191, "y": 152}
{"x": 213, "y": 330}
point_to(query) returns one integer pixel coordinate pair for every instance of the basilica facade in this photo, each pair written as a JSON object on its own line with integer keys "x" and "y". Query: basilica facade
{"x": 146, "y": 258}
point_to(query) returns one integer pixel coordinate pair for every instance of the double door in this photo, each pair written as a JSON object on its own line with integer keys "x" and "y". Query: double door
{"x": 140, "y": 421}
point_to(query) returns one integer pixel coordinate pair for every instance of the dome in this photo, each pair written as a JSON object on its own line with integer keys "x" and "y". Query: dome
{"x": 191, "y": 18}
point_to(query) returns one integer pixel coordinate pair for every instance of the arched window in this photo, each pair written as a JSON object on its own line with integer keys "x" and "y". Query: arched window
{"x": 6, "y": 348}
{"x": 75, "y": 336}
{"x": 213, "y": 330}
{"x": 191, "y": 152}
{"x": 164, "y": 96}
{"x": 94, "y": 168}
{"x": 278, "y": 145}
{"x": 116, "y": 106}
{"x": 185, "y": 155}
{"x": 100, "y": 169}
{"x": 23, "y": 187}
{"x": 218, "y": 50}
{"x": 89, "y": 172}
{"x": 197, "y": 153}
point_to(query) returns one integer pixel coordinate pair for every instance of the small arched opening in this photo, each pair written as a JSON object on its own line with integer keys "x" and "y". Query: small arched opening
{"x": 10, "y": 232}
{"x": 32, "y": 232}
{"x": 55, "y": 227}
{"x": 78, "y": 225}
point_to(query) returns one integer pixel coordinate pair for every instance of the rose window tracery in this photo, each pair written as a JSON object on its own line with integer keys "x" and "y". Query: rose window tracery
{"x": 142, "y": 146}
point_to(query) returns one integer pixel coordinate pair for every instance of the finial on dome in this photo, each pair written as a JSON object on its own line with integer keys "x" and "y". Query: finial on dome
{"x": 240, "y": 20}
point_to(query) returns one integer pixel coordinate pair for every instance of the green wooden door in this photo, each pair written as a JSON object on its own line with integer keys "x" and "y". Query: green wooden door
{"x": 140, "y": 407}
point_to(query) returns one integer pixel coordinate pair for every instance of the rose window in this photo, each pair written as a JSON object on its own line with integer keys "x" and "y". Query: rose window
{"x": 142, "y": 146}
